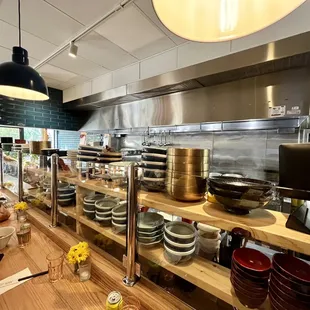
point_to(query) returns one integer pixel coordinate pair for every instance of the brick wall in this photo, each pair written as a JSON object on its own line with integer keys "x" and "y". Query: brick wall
{"x": 40, "y": 114}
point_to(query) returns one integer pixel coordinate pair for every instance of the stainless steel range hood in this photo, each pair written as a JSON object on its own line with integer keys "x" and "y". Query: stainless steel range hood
{"x": 293, "y": 52}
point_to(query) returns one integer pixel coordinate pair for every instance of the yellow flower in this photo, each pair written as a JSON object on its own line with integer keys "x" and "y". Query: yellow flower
{"x": 71, "y": 258}
{"x": 83, "y": 245}
{"x": 82, "y": 255}
{"x": 21, "y": 206}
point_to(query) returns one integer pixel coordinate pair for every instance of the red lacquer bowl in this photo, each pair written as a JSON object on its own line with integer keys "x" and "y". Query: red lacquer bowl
{"x": 248, "y": 293}
{"x": 249, "y": 302}
{"x": 250, "y": 285}
{"x": 297, "y": 287}
{"x": 290, "y": 292}
{"x": 292, "y": 268}
{"x": 289, "y": 305}
{"x": 252, "y": 261}
{"x": 245, "y": 275}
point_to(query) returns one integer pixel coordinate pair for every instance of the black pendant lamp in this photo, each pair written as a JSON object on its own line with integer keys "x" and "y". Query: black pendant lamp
{"x": 17, "y": 79}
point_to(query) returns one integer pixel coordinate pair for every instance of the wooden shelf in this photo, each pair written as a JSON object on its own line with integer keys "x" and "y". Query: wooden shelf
{"x": 205, "y": 274}
{"x": 265, "y": 225}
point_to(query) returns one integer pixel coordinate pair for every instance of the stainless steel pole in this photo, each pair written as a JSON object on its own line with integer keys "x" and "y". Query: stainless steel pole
{"x": 1, "y": 169}
{"x": 20, "y": 176}
{"x": 130, "y": 277}
{"x": 54, "y": 205}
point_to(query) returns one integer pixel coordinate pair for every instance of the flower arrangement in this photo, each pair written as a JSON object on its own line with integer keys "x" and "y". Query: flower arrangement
{"x": 22, "y": 206}
{"x": 78, "y": 253}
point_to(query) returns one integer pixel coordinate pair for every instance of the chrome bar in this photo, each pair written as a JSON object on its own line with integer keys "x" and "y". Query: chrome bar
{"x": 20, "y": 176}
{"x": 1, "y": 169}
{"x": 54, "y": 202}
{"x": 130, "y": 277}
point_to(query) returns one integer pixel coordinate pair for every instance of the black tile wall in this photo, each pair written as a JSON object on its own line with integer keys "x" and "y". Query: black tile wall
{"x": 41, "y": 114}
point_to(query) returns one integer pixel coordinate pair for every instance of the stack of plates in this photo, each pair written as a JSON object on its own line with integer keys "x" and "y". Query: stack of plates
{"x": 72, "y": 155}
{"x": 187, "y": 173}
{"x": 119, "y": 217}
{"x": 150, "y": 228}
{"x": 104, "y": 209}
{"x": 154, "y": 171}
{"x": 66, "y": 194}
{"x": 249, "y": 276}
{"x": 97, "y": 155}
{"x": 289, "y": 286}
{"x": 180, "y": 242}
{"x": 49, "y": 151}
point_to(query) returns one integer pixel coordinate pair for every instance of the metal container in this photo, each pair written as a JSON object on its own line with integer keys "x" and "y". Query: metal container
{"x": 186, "y": 193}
{"x": 179, "y": 179}
{"x": 188, "y": 152}
{"x": 188, "y": 168}
{"x": 35, "y": 147}
{"x": 188, "y": 160}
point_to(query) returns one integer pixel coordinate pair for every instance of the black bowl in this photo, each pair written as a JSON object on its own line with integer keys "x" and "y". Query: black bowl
{"x": 154, "y": 150}
{"x": 154, "y": 157}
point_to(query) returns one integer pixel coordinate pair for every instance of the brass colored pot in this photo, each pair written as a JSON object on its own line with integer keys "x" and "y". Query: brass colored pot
{"x": 188, "y": 168}
{"x": 178, "y": 179}
{"x": 188, "y": 152}
{"x": 185, "y": 160}
{"x": 201, "y": 174}
{"x": 184, "y": 193}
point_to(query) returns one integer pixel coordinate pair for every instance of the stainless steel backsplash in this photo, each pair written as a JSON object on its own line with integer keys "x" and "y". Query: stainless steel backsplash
{"x": 251, "y": 153}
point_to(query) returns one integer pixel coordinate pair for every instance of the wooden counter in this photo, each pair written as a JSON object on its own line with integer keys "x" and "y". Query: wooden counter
{"x": 39, "y": 293}
{"x": 68, "y": 293}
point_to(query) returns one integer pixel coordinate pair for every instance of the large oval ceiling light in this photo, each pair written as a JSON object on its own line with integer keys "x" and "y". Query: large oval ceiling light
{"x": 17, "y": 79}
{"x": 220, "y": 20}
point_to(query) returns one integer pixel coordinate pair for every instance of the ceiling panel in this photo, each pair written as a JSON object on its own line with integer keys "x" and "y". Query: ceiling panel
{"x": 40, "y": 19}
{"x": 147, "y": 7}
{"x": 36, "y": 47}
{"x": 51, "y": 82}
{"x": 78, "y": 65}
{"x": 130, "y": 29}
{"x": 84, "y": 11}
{"x": 74, "y": 81}
{"x": 153, "y": 48}
{"x": 5, "y": 54}
{"x": 56, "y": 73}
{"x": 102, "y": 51}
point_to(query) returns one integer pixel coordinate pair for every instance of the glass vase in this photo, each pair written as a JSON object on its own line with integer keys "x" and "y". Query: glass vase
{"x": 20, "y": 215}
{"x": 85, "y": 270}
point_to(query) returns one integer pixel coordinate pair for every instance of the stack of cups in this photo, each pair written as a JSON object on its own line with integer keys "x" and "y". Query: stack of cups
{"x": 209, "y": 240}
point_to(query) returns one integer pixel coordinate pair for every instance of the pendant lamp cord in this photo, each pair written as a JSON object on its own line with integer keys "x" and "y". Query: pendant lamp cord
{"x": 19, "y": 26}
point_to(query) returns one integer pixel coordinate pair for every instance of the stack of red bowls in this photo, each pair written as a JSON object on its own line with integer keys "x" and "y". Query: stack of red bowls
{"x": 289, "y": 287}
{"x": 250, "y": 271}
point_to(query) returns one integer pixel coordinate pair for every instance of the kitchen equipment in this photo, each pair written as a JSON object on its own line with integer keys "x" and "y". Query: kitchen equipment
{"x": 154, "y": 165}
{"x": 154, "y": 157}
{"x": 249, "y": 276}
{"x": 188, "y": 152}
{"x": 153, "y": 184}
{"x": 186, "y": 193}
{"x": 35, "y": 147}
{"x": 156, "y": 150}
{"x": 180, "y": 232}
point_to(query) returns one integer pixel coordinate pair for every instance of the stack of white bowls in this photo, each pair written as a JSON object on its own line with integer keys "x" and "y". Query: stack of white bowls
{"x": 209, "y": 240}
{"x": 150, "y": 228}
{"x": 104, "y": 209}
{"x": 180, "y": 242}
{"x": 119, "y": 217}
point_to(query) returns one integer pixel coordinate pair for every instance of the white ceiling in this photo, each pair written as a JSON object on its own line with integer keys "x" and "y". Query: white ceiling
{"x": 132, "y": 34}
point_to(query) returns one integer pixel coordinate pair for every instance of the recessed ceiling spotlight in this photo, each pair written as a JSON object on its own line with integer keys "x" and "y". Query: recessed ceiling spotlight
{"x": 73, "y": 50}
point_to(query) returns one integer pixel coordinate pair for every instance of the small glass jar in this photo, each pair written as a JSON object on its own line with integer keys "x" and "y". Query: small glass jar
{"x": 85, "y": 270}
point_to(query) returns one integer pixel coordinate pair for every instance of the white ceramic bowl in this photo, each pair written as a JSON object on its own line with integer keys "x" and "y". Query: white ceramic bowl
{"x": 180, "y": 245}
{"x": 105, "y": 204}
{"x": 120, "y": 210}
{"x": 5, "y": 235}
{"x": 175, "y": 257}
{"x": 148, "y": 221}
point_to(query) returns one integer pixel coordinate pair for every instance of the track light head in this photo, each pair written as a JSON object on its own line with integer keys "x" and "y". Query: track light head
{"x": 73, "y": 50}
